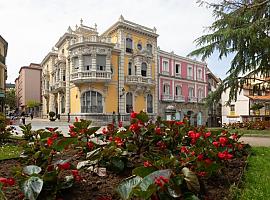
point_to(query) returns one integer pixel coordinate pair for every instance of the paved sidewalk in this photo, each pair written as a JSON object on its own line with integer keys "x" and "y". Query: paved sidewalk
{"x": 257, "y": 141}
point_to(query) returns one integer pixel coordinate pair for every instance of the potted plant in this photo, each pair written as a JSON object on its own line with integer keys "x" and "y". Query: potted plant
{"x": 52, "y": 115}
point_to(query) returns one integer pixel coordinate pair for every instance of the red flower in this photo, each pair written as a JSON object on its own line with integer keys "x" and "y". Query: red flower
{"x": 223, "y": 140}
{"x": 72, "y": 134}
{"x": 234, "y": 136}
{"x": 50, "y": 168}
{"x": 120, "y": 124}
{"x": 161, "y": 145}
{"x": 216, "y": 144}
{"x": 161, "y": 181}
{"x": 221, "y": 155}
{"x": 200, "y": 157}
{"x": 50, "y": 129}
{"x": 202, "y": 173}
{"x": 50, "y": 141}
{"x": 90, "y": 145}
{"x": 184, "y": 149}
{"x": 7, "y": 181}
{"x": 134, "y": 127}
{"x": 133, "y": 115}
{"x": 147, "y": 164}
{"x": 158, "y": 131}
{"x": 208, "y": 134}
{"x": 76, "y": 175}
{"x": 118, "y": 141}
{"x": 179, "y": 123}
{"x": 193, "y": 153}
{"x": 208, "y": 161}
{"x": 104, "y": 131}
{"x": 54, "y": 136}
{"x": 64, "y": 166}
{"x": 71, "y": 127}
{"x": 225, "y": 155}
{"x": 76, "y": 119}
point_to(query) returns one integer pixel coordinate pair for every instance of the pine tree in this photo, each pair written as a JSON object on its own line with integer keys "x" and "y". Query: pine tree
{"x": 242, "y": 27}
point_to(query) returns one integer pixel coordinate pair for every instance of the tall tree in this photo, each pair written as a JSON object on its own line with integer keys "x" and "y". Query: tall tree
{"x": 10, "y": 99}
{"x": 242, "y": 27}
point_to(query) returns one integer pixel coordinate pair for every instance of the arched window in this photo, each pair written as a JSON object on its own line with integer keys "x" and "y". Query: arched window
{"x": 149, "y": 48}
{"x": 129, "y": 68}
{"x": 63, "y": 104}
{"x": 91, "y": 102}
{"x": 144, "y": 69}
{"x": 129, "y": 102}
{"x": 149, "y": 103}
{"x": 128, "y": 45}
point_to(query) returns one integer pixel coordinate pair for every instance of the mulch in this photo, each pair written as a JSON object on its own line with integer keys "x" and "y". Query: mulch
{"x": 93, "y": 187}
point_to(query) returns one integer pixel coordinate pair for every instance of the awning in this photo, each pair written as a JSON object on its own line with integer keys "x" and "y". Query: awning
{"x": 2, "y": 94}
{"x": 260, "y": 97}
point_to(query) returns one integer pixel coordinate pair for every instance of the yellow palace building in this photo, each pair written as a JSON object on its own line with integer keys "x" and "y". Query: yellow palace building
{"x": 96, "y": 76}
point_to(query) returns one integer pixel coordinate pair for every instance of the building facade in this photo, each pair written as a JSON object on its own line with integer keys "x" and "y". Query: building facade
{"x": 182, "y": 87}
{"x": 214, "y": 110}
{"x": 28, "y": 87}
{"x": 3, "y": 71}
{"x": 253, "y": 95}
{"x": 97, "y": 76}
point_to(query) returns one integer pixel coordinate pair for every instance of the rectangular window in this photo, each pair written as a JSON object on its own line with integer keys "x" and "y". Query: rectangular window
{"x": 165, "y": 66}
{"x": 87, "y": 62}
{"x": 166, "y": 89}
{"x": 190, "y": 72}
{"x": 199, "y": 75}
{"x": 177, "y": 69}
{"x": 191, "y": 92}
{"x": 101, "y": 62}
{"x": 232, "y": 108}
{"x": 76, "y": 63}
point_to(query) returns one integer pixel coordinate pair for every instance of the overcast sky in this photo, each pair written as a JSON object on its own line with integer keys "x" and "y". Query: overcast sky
{"x": 32, "y": 27}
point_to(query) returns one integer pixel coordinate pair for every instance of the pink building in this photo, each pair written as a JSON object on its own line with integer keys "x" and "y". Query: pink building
{"x": 28, "y": 86}
{"x": 182, "y": 87}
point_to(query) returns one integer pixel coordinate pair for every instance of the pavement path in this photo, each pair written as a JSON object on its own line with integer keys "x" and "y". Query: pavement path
{"x": 257, "y": 141}
{"x": 38, "y": 123}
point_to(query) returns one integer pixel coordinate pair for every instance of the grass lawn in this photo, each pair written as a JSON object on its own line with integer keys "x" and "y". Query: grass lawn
{"x": 257, "y": 177}
{"x": 244, "y": 131}
{"x": 252, "y": 132}
{"x": 9, "y": 151}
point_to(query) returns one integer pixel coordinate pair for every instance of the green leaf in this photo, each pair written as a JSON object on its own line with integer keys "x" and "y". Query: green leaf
{"x": 132, "y": 147}
{"x": 142, "y": 171}
{"x": 125, "y": 188}
{"x": 32, "y": 187}
{"x": 68, "y": 182}
{"x": 143, "y": 117}
{"x": 61, "y": 144}
{"x": 150, "y": 179}
{"x": 31, "y": 169}
{"x": 117, "y": 164}
{"x": 44, "y": 134}
{"x": 175, "y": 191}
{"x": 191, "y": 180}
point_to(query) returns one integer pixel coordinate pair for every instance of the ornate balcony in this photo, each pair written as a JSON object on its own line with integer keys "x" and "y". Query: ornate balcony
{"x": 166, "y": 97}
{"x": 61, "y": 85}
{"x": 45, "y": 92}
{"x": 90, "y": 76}
{"x": 179, "y": 98}
{"x": 192, "y": 99}
{"x": 135, "y": 79}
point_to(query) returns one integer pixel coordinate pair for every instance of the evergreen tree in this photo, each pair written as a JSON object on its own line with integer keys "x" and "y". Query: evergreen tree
{"x": 242, "y": 27}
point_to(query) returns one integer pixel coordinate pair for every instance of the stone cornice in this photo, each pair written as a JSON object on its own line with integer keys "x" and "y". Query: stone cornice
{"x": 50, "y": 54}
{"x": 62, "y": 39}
{"x": 172, "y": 55}
{"x": 130, "y": 26}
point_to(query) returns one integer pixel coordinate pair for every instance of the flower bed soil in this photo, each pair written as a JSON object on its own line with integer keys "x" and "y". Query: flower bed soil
{"x": 93, "y": 187}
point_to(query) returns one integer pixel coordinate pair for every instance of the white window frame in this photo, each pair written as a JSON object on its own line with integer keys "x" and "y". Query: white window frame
{"x": 199, "y": 75}
{"x": 179, "y": 71}
{"x": 167, "y": 88}
{"x": 189, "y": 76}
{"x": 181, "y": 91}
{"x": 165, "y": 68}
{"x": 193, "y": 91}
